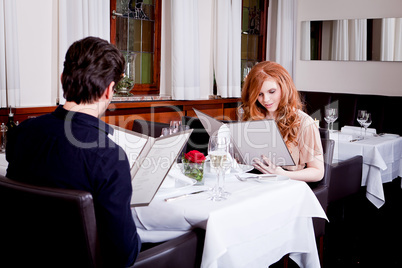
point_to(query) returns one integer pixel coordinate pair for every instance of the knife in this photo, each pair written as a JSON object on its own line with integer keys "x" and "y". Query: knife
{"x": 183, "y": 195}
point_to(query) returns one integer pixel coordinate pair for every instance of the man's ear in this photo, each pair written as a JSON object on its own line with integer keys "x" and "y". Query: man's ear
{"x": 109, "y": 91}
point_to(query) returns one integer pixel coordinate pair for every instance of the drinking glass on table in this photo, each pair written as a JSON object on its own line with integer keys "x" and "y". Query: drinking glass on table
{"x": 175, "y": 126}
{"x": 218, "y": 147}
{"x": 331, "y": 115}
{"x": 367, "y": 123}
{"x": 165, "y": 132}
{"x": 361, "y": 118}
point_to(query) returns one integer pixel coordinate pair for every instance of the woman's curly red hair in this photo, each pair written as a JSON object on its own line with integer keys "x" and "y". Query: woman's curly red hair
{"x": 287, "y": 117}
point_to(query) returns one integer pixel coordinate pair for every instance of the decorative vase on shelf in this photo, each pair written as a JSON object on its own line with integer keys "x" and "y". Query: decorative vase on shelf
{"x": 124, "y": 86}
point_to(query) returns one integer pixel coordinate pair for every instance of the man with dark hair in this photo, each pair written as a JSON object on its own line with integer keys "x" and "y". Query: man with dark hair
{"x": 70, "y": 147}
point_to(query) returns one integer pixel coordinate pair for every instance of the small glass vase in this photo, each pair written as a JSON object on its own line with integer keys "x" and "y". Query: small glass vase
{"x": 194, "y": 171}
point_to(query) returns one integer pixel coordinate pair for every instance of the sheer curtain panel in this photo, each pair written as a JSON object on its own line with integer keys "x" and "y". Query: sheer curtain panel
{"x": 79, "y": 19}
{"x": 185, "y": 58}
{"x": 358, "y": 39}
{"x": 305, "y": 39}
{"x": 227, "y": 47}
{"x": 391, "y": 39}
{"x": 340, "y": 43}
{"x": 9, "y": 56}
{"x": 281, "y": 33}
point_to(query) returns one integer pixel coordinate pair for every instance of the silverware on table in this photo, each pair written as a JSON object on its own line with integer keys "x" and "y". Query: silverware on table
{"x": 183, "y": 195}
{"x": 254, "y": 177}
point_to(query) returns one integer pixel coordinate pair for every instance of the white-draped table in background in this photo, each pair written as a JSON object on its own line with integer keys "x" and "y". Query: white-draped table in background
{"x": 382, "y": 160}
{"x": 258, "y": 224}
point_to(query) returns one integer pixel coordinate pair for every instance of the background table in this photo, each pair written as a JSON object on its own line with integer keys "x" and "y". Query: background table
{"x": 3, "y": 164}
{"x": 257, "y": 225}
{"x": 382, "y": 161}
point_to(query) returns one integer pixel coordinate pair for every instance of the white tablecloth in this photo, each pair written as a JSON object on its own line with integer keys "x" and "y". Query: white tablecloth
{"x": 257, "y": 225}
{"x": 3, "y": 164}
{"x": 382, "y": 161}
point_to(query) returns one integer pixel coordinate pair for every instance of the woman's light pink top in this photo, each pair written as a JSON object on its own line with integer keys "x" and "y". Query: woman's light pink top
{"x": 309, "y": 143}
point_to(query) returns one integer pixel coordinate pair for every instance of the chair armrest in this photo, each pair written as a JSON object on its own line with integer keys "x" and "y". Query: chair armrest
{"x": 346, "y": 177}
{"x": 183, "y": 251}
{"x": 321, "y": 192}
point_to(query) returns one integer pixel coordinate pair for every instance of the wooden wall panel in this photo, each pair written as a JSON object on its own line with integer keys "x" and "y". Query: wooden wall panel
{"x": 124, "y": 113}
{"x": 214, "y": 110}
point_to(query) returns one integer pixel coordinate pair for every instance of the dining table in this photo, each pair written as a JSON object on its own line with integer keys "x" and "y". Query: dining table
{"x": 260, "y": 221}
{"x": 382, "y": 158}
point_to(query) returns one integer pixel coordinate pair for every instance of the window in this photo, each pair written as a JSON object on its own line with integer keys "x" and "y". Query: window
{"x": 135, "y": 28}
{"x": 254, "y": 31}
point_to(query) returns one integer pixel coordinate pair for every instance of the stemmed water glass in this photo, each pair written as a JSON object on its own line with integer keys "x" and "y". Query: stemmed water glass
{"x": 218, "y": 149}
{"x": 331, "y": 115}
{"x": 361, "y": 118}
{"x": 367, "y": 123}
{"x": 175, "y": 126}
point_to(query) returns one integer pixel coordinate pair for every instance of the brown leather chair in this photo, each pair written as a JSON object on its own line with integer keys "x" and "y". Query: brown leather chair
{"x": 52, "y": 227}
{"x": 321, "y": 190}
{"x": 182, "y": 252}
{"x": 340, "y": 180}
{"x": 46, "y": 227}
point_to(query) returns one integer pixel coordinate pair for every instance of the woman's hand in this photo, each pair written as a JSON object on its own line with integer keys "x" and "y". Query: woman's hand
{"x": 266, "y": 166}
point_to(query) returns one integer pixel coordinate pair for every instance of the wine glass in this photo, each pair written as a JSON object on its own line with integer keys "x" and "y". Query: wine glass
{"x": 331, "y": 115}
{"x": 175, "y": 126}
{"x": 367, "y": 123}
{"x": 361, "y": 118}
{"x": 218, "y": 154}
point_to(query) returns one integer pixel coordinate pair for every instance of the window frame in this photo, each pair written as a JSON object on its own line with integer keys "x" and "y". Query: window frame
{"x": 262, "y": 44}
{"x": 144, "y": 89}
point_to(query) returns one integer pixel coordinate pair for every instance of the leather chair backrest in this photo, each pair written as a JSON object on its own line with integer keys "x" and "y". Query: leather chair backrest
{"x": 149, "y": 128}
{"x": 328, "y": 150}
{"x": 199, "y": 137}
{"x": 346, "y": 177}
{"x": 324, "y": 133}
{"x": 46, "y": 227}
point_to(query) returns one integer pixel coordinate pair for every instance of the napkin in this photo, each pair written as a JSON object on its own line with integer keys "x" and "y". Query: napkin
{"x": 358, "y": 130}
{"x": 340, "y": 136}
{"x": 174, "y": 174}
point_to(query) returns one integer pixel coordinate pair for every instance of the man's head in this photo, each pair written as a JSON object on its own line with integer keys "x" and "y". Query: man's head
{"x": 91, "y": 64}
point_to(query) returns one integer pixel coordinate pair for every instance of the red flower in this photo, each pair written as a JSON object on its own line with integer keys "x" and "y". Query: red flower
{"x": 195, "y": 156}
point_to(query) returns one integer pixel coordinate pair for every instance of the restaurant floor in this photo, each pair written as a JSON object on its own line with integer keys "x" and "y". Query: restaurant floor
{"x": 360, "y": 235}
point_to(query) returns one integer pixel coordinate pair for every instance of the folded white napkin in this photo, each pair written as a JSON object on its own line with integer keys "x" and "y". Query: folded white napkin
{"x": 174, "y": 174}
{"x": 338, "y": 136}
{"x": 358, "y": 130}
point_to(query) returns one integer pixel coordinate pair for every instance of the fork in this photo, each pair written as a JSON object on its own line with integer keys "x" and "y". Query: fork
{"x": 245, "y": 178}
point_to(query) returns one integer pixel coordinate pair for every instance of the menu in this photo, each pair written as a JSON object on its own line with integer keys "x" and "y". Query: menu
{"x": 252, "y": 139}
{"x": 150, "y": 160}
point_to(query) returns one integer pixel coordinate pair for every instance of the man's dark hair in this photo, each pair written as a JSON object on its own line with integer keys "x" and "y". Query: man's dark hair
{"x": 91, "y": 64}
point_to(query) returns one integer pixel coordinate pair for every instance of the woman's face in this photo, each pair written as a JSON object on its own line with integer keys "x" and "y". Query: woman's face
{"x": 269, "y": 97}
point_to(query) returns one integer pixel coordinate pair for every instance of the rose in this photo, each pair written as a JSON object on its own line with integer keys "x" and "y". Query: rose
{"x": 194, "y": 156}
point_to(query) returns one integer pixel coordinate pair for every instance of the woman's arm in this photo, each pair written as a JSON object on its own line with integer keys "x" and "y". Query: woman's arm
{"x": 314, "y": 170}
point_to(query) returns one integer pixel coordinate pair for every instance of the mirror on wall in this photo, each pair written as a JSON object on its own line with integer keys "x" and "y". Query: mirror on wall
{"x": 352, "y": 40}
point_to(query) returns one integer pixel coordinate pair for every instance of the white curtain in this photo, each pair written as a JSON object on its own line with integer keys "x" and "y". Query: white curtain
{"x": 185, "y": 58}
{"x": 391, "y": 39}
{"x": 9, "y": 56}
{"x": 340, "y": 43}
{"x": 398, "y": 39}
{"x": 281, "y": 33}
{"x": 358, "y": 39}
{"x": 79, "y": 19}
{"x": 227, "y": 47}
{"x": 305, "y": 40}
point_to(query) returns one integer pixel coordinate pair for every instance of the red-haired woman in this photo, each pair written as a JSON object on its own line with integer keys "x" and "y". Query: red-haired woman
{"x": 269, "y": 93}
